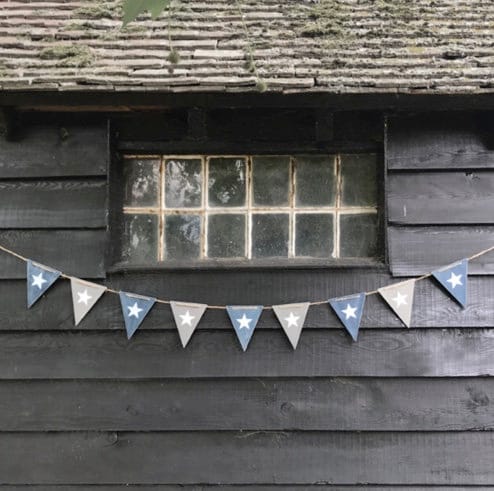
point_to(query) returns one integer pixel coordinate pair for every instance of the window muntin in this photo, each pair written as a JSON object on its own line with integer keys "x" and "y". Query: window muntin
{"x": 200, "y": 208}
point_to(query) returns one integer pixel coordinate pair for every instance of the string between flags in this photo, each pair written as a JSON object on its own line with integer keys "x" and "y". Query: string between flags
{"x": 244, "y": 318}
{"x": 224, "y": 307}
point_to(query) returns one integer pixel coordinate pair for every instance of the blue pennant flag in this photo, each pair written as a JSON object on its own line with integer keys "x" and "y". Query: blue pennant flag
{"x": 134, "y": 309}
{"x": 454, "y": 279}
{"x": 244, "y": 320}
{"x": 349, "y": 311}
{"x": 39, "y": 279}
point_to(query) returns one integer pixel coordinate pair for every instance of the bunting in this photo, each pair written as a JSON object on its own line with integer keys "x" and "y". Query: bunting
{"x": 244, "y": 319}
{"x": 453, "y": 279}
{"x": 187, "y": 317}
{"x": 84, "y": 297}
{"x": 292, "y": 317}
{"x": 400, "y": 298}
{"x": 134, "y": 310}
{"x": 39, "y": 279}
{"x": 349, "y": 310}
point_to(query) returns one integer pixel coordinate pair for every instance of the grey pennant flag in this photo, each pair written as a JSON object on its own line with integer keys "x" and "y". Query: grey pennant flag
{"x": 292, "y": 318}
{"x": 84, "y": 297}
{"x": 400, "y": 298}
{"x": 187, "y": 316}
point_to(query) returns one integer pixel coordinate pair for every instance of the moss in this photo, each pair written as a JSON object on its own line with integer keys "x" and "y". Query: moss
{"x": 68, "y": 55}
{"x": 324, "y": 19}
{"x": 3, "y": 69}
{"x": 261, "y": 85}
{"x": 174, "y": 56}
{"x": 100, "y": 10}
{"x": 75, "y": 26}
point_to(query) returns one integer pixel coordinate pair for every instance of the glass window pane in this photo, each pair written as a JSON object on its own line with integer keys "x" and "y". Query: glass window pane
{"x": 140, "y": 238}
{"x": 141, "y": 182}
{"x": 227, "y": 181}
{"x": 358, "y": 235}
{"x": 270, "y": 235}
{"x": 315, "y": 183}
{"x": 314, "y": 235}
{"x": 359, "y": 180}
{"x": 226, "y": 235}
{"x": 271, "y": 181}
{"x": 183, "y": 183}
{"x": 182, "y": 236}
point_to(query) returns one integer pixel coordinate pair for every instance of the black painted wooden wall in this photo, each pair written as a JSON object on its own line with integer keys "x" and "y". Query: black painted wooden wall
{"x": 82, "y": 408}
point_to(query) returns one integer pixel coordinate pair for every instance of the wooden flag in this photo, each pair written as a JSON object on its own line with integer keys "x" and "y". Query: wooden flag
{"x": 292, "y": 317}
{"x": 134, "y": 310}
{"x": 39, "y": 279}
{"x": 244, "y": 320}
{"x": 400, "y": 298}
{"x": 349, "y": 310}
{"x": 187, "y": 317}
{"x": 453, "y": 279}
{"x": 84, "y": 297}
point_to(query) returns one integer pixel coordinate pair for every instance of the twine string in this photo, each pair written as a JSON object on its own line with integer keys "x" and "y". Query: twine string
{"x": 223, "y": 307}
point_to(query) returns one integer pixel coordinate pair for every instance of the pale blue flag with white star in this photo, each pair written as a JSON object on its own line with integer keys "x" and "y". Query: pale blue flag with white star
{"x": 134, "y": 309}
{"x": 454, "y": 279}
{"x": 39, "y": 279}
{"x": 244, "y": 320}
{"x": 349, "y": 310}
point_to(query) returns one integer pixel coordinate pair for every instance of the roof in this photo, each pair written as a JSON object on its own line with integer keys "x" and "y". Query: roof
{"x": 332, "y": 46}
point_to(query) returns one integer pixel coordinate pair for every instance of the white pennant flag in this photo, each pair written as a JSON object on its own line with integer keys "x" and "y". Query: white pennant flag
{"x": 187, "y": 316}
{"x": 400, "y": 298}
{"x": 84, "y": 297}
{"x": 292, "y": 318}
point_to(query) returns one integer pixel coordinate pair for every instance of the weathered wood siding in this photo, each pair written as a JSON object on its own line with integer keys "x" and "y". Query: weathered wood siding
{"x": 84, "y": 409}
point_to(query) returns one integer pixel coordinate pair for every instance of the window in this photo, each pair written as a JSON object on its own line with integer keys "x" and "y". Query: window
{"x": 200, "y": 209}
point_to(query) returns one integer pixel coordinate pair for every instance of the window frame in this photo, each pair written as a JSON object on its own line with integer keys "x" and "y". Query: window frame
{"x": 277, "y": 263}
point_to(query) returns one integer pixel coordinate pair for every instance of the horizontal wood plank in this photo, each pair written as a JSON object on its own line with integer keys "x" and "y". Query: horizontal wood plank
{"x": 234, "y": 487}
{"x": 247, "y": 457}
{"x": 419, "y": 250}
{"x": 55, "y": 151}
{"x": 378, "y": 353}
{"x": 432, "y": 306}
{"x": 53, "y": 204}
{"x": 327, "y": 404}
{"x": 441, "y": 198}
{"x": 440, "y": 141}
{"x": 76, "y": 252}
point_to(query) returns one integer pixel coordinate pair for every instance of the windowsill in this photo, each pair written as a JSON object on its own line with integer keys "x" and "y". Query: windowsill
{"x": 241, "y": 264}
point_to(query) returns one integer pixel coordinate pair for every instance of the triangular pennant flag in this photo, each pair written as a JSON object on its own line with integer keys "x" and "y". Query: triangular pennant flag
{"x": 349, "y": 310}
{"x": 400, "y": 298}
{"x": 244, "y": 320}
{"x": 39, "y": 279}
{"x": 84, "y": 297}
{"x": 134, "y": 310}
{"x": 187, "y": 316}
{"x": 454, "y": 279}
{"x": 292, "y": 317}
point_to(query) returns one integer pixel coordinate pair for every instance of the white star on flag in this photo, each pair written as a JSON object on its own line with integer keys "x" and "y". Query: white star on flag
{"x": 38, "y": 280}
{"x": 292, "y": 320}
{"x": 400, "y": 299}
{"x": 83, "y": 297}
{"x": 187, "y": 318}
{"x": 134, "y": 311}
{"x": 244, "y": 322}
{"x": 350, "y": 311}
{"x": 454, "y": 280}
